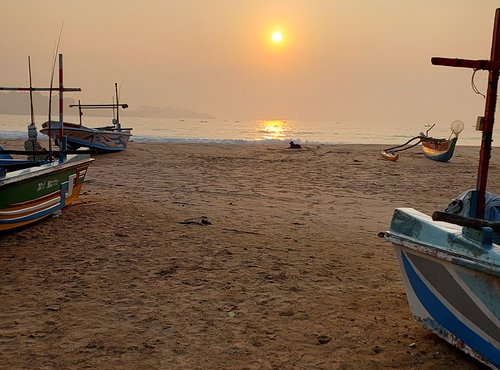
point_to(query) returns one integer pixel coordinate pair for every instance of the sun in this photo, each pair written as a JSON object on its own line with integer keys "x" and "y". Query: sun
{"x": 277, "y": 37}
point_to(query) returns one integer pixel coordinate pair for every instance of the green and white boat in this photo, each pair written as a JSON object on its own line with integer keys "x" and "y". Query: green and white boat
{"x": 34, "y": 188}
{"x": 40, "y": 189}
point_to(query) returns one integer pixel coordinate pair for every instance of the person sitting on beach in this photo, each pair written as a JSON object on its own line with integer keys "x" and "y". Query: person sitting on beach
{"x": 33, "y": 145}
{"x": 294, "y": 146}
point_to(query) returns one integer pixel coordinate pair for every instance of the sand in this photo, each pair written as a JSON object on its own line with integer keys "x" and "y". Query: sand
{"x": 285, "y": 272}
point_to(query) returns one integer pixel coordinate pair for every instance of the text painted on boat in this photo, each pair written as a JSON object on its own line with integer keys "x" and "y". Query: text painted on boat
{"x": 47, "y": 184}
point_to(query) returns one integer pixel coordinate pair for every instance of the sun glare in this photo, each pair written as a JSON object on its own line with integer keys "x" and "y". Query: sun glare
{"x": 277, "y": 36}
{"x": 273, "y": 129}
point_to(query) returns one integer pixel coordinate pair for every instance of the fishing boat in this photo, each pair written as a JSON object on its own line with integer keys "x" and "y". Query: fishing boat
{"x": 35, "y": 188}
{"x": 450, "y": 262}
{"x": 112, "y": 138}
{"x": 440, "y": 150}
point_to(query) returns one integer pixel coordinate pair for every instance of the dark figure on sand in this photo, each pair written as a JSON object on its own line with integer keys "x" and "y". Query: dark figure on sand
{"x": 294, "y": 146}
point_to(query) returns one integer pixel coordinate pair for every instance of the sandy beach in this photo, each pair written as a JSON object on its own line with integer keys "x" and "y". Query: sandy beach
{"x": 193, "y": 256}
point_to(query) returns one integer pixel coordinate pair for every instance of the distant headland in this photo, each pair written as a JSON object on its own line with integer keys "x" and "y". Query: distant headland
{"x": 18, "y": 103}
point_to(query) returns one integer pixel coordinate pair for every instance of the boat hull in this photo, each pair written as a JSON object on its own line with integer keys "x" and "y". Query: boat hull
{"x": 439, "y": 150}
{"x": 452, "y": 283}
{"x": 102, "y": 140}
{"x": 31, "y": 194}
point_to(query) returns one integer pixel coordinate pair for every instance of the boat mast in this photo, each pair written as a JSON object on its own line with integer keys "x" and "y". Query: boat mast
{"x": 62, "y": 140}
{"x": 117, "y": 124}
{"x": 31, "y": 93}
{"x": 493, "y": 66}
{"x": 115, "y": 105}
{"x": 80, "y": 113}
{"x": 61, "y": 89}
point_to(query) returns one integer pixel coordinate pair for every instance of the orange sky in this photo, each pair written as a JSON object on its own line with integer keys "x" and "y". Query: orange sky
{"x": 341, "y": 60}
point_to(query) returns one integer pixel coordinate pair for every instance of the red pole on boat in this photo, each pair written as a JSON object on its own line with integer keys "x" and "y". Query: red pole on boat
{"x": 489, "y": 119}
{"x": 493, "y": 66}
{"x": 61, "y": 88}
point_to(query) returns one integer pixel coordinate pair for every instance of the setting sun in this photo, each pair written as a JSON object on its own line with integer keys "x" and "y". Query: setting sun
{"x": 277, "y": 36}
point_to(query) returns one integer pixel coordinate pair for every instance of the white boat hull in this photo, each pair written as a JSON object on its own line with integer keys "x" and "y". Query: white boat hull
{"x": 454, "y": 294}
{"x": 93, "y": 138}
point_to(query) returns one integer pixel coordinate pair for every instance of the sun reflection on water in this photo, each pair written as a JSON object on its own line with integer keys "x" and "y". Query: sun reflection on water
{"x": 274, "y": 129}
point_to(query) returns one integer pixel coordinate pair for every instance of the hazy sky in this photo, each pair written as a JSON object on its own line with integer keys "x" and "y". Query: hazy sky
{"x": 341, "y": 60}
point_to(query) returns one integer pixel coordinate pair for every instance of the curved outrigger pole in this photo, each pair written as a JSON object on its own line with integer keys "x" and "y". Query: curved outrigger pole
{"x": 391, "y": 153}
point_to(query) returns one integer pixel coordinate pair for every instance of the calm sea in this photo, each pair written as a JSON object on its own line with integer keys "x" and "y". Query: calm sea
{"x": 255, "y": 131}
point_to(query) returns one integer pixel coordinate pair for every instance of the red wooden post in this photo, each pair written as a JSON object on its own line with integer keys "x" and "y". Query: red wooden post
{"x": 489, "y": 119}
{"x": 61, "y": 105}
{"x": 493, "y": 66}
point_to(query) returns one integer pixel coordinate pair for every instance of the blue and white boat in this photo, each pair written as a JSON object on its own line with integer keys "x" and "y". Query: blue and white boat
{"x": 452, "y": 280}
{"x": 105, "y": 139}
{"x": 450, "y": 262}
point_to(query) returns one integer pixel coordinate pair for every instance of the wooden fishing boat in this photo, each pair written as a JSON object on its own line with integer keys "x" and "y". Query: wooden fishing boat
{"x": 102, "y": 139}
{"x": 33, "y": 189}
{"x": 440, "y": 150}
{"x": 450, "y": 262}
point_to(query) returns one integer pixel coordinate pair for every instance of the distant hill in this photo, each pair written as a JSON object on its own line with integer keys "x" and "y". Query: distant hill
{"x": 14, "y": 102}
{"x": 164, "y": 112}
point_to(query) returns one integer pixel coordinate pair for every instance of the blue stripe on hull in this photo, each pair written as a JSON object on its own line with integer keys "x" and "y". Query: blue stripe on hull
{"x": 440, "y": 157}
{"x": 35, "y": 216}
{"x": 447, "y": 320}
{"x": 78, "y": 143}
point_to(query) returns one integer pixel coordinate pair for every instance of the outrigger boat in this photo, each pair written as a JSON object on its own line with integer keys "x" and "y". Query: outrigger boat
{"x": 33, "y": 189}
{"x": 450, "y": 262}
{"x": 103, "y": 139}
{"x": 440, "y": 150}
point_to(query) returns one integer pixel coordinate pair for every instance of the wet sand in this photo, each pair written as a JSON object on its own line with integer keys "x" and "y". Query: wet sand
{"x": 192, "y": 256}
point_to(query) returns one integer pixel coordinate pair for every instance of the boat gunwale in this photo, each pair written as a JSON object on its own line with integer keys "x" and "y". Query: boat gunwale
{"x": 76, "y": 127}
{"x": 52, "y": 167}
{"x": 467, "y": 261}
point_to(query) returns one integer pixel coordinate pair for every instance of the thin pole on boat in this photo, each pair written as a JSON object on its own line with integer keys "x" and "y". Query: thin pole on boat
{"x": 117, "y": 125}
{"x": 31, "y": 93}
{"x": 56, "y": 49}
{"x": 493, "y": 66}
{"x": 61, "y": 88}
{"x": 32, "y": 113}
{"x": 62, "y": 142}
{"x": 80, "y": 113}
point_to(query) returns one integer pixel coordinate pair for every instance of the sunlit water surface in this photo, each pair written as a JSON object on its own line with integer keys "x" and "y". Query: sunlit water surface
{"x": 256, "y": 131}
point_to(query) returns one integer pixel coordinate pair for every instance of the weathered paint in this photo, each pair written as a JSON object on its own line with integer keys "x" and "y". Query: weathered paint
{"x": 93, "y": 138}
{"x": 441, "y": 152}
{"x": 31, "y": 194}
{"x": 452, "y": 282}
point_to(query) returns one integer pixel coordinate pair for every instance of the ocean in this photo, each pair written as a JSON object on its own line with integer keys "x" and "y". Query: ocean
{"x": 232, "y": 131}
